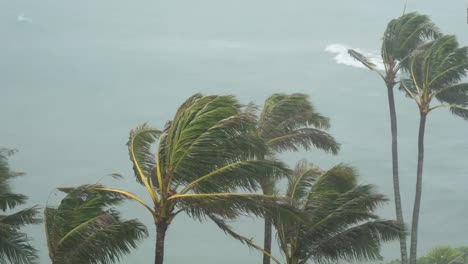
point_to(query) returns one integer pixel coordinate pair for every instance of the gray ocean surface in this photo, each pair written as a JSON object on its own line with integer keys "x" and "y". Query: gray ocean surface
{"x": 76, "y": 76}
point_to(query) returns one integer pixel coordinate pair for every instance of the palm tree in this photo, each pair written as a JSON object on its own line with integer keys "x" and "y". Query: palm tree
{"x": 85, "y": 228}
{"x": 435, "y": 73}
{"x": 204, "y": 156}
{"x": 288, "y": 122}
{"x": 340, "y": 223}
{"x": 14, "y": 245}
{"x": 402, "y": 37}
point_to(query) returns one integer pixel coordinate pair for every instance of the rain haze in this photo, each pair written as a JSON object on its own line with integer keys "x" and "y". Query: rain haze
{"x": 76, "y": 76}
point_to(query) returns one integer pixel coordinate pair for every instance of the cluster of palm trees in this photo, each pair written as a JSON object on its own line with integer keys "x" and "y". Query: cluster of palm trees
{"x": 216, "y": 160}
{"x": 430, "y": 67}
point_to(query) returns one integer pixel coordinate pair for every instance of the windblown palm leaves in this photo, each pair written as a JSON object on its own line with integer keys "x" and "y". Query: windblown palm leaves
{"x": 85, "y": 228}
{"x": 14, "y": 245}
{"x": 203, "y": 157}
{"x": 403, "y": 36}
{"x": 289, "y": 122}
{"x": 340, "y": 225}
{"x": 435, "y": 72}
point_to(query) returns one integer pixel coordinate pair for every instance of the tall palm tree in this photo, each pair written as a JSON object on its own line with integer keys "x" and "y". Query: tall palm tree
{"x": 340, "y": 223}
{"x": 435, "y": 73}
{"x": 85, "y": 228}
{"x": 14, "y": 245}
{"x": 401, "y": 38}
{"x": 204, "y": 156}
{"x": 288, "y": 122}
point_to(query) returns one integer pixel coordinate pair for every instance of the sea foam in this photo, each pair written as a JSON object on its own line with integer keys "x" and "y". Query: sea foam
{"x": 341, "y": 56}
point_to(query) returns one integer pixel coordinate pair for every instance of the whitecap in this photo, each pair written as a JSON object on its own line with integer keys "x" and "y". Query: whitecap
{"x": 341, "y": 56}
{"x": 22, "y": 18}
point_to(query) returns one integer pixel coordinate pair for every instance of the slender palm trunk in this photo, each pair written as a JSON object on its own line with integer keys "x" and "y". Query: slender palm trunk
{"x": 267, "y": 240}
{"x": 396, "y": 180}
{"x": 417, "y": 199}
{"x": 160, "y": 237}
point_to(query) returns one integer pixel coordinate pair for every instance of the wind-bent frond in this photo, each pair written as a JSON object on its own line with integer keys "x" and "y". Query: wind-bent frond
{"x": 14, "y": 245}
{"x": 249, "y": 242}
{"x": 232, "y": 205}
{"x": 305, "y": 138}
{"x": 301, "y": 181}
{"x": 358, "y": 243}
{"x": 83, "y": 229}
{"x": 244, "y": 175}
{"x": 212, "y": 134}
{"x": 24, "y": 217}
{"x": 139, "y": 147}
{"x": 365, "y": 61}
{"x": 283, "y": 113}
{"x": 11, "y": 200}
{"x": 456, "y": 97}
{"x": 406, "y": 34}
{"x": 339, "y": 219}
{"x": 15, "y": 248}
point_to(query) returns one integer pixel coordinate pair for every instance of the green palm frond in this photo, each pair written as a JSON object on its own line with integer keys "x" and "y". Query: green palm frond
{"x": 15, "y": 248}
{"x": 339, "y": 219}
{"x": 406, "y": 34}
{"x": 233, "y": 205}
{"x": 24, "y": 217}
{"x": 245, "y": 175}
{"x": 11, "y": 200}
{"x": 305, "y": 138}
{"x": 14, "y": 245}
{"x": 301, "y": 181}
{"x": 283, "y": 113}
{"x": 246, "y": 241}
{"x": 365, "y": 61}
{"x": 140, "y": 152}
{"x": 85, "y": 228}
{"x": 358, "y": 243}
{"x": 225, "y": 142}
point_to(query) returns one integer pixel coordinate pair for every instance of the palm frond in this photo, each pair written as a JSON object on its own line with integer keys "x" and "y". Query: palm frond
{"x": 139, "y": 146}
{"x": 249, "y": 242}
{"x": 301, "y": 181}
{"x": 21, "y": 218}
{"x": 83, "y": 229}
{"x": 15, "y": 248}
{"x": 11, "y": 200}
{"x": 233, "y": 205}
{"x": 365, "y": 61}
{"x": 244, "y": 175}
{"x": 305, "y": 138}
{"x": 282, "y": 113}
{"x": 359, "y": 243}
{"x": 406, "y": 34}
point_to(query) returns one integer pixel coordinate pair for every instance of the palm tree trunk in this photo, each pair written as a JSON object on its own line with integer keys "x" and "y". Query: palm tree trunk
{"x": 267, "y": 240}
{"x": 417, "y": 199}
{"x": 160, "y": 237}
{"x": 396, "y": 180}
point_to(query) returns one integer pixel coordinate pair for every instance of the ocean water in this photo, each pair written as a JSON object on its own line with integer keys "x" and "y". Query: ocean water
{"x": 76, "y": 76}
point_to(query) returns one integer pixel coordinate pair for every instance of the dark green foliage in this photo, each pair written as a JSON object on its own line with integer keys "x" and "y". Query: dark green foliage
{"x": 340, "y": 222}
{"x": 85, "y": 228}
{"x": 14, "y": 245}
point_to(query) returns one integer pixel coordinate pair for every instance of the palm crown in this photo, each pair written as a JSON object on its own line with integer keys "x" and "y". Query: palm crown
{"x": 340, "y": 224}
{"x": 85, "y": 228}
{"x": 436, "y": 72}
{"x": 14, "y": 245}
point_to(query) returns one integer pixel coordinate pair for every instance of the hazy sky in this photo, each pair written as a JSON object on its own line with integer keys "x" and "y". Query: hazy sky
{"x": 76, "y": 76}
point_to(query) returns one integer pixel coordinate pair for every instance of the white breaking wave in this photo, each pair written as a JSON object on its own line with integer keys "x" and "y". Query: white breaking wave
{"x": 342, "y": 57}
{"x": 22, "y": 18}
